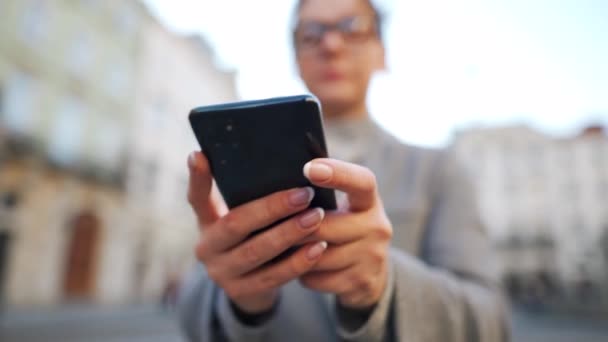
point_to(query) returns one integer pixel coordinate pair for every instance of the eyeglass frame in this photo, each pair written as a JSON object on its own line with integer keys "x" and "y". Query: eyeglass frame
{"x": 341, "y": 27}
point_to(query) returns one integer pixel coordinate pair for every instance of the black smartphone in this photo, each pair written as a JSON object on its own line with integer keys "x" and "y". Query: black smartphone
{"x": 256, "y": 148}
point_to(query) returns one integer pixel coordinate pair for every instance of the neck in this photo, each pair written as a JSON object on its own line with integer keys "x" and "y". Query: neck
{"x": 342, "y": 112}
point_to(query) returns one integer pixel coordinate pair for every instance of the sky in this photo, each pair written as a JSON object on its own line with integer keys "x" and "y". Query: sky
{"x": 451, "y": 64}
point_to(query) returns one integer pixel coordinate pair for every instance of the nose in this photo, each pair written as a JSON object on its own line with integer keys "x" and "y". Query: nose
{"x": 332, "y": 41}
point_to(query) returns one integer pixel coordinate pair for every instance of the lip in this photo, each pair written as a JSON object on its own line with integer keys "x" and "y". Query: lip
{"x": 332, "y": 75}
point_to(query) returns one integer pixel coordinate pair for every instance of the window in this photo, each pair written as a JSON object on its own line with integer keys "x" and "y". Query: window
{"x": 117, "y": 80}
{"x": 18, "y": 103}
{"x": 599, "y": 155}
{"x": 67, "y": 132}
{"x": 151, "y": 172}
{"x": 566, "y": 163}
{"x": 36, "y": 21}
{"x": 109, "y": 141}
{"x": 90, "y": 4}
{"x": 125, "y": 19}
{"x": 158, "y": 112}
{"x": 80, "y": 53}
{"x": 143, "y": 177}
{"x": 536, "y": 158}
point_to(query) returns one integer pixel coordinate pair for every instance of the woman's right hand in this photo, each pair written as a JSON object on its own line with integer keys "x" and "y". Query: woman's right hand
{"x": 237, "y": 262}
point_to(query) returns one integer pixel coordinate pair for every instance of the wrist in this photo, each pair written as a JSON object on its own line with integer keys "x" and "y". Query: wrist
{"x": 354, "y": 316}
{"x": 256, "y": 305}
{"x": 253, "y": 319}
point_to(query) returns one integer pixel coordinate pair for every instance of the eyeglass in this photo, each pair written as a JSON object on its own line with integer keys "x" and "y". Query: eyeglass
{"x": 308, "y": 34}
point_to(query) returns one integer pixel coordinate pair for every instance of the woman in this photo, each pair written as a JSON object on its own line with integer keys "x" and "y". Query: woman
{"x": 404, "y": 259}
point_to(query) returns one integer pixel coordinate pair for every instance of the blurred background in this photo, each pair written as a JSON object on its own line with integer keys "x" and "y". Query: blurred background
{"x": 95, "y": 229}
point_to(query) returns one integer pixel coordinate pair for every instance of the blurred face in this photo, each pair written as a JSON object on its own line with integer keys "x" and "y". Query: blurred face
{"x": 337, "y": 50}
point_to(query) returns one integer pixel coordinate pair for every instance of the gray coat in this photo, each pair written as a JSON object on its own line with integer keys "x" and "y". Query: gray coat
{"x": 442, "y": 281}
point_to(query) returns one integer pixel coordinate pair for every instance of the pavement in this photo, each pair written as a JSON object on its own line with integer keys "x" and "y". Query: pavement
{"x": 94, "y": 324}
{"x": 149, "y": 323}
{"x": 541, "y": 326}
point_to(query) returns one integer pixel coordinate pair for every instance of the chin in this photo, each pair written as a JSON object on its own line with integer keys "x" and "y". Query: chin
{"x": 335, "y": 96}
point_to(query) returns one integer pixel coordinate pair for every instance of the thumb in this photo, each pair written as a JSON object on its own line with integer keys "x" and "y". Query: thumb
{"x": 203, "y": 196}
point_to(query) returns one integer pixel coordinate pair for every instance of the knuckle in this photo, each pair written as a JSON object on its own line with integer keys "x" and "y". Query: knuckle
{"x": 280, "y": 238}
{"x": 268, "y": 281}
{"x": 378, "y": 255}
{"x": 250, "y": 253}
{"x": 368, "y": 182}
{"x": 295, "y": 267}
{"x": 201, "y": 250}
{"x": 231, "y": 224}
{"x": 383, "y": 229}
{"x": 341, "y": 287}
{"x": 274, "y": 206}
{"x": 355, "y": 281}
{"x": 363, "y": 284}
{"x": 384, "y": 233}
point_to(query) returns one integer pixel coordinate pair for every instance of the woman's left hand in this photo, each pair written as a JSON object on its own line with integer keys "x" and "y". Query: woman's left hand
{"x": 355, "y": 265}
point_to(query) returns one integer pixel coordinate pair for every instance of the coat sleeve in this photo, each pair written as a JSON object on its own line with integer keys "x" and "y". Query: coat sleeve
{"x": 205, "y": 314}
{"x": 451, "y": 292}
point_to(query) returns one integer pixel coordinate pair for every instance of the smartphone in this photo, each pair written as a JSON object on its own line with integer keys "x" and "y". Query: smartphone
{"x": 256, "y": 148}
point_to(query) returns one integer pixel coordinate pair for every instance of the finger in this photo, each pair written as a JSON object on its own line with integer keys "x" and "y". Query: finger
{"x": 241, "y": 221}
{"x": 207, "y": 206}
{"x": 271, "y": 243}
{"x": 340, "y": 257}
{"x": 275, "y": 275}
{"x": 339, "y": 227}
{"x": 336, "y": 282}
{"x": 358, "y": 182}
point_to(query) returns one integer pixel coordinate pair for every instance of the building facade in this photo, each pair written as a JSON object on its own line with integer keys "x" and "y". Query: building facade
{"x": 67, "y": 71}
{"x": 176, "y": 74}
{"x": 91, "y": 198}
{"x": 544, "y": 201}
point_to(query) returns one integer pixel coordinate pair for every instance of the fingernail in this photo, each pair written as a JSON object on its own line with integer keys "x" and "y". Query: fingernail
{"x": 301, "y": 196}
{"x": 318, "y": 171}
{"x": 316, "y": 250}
{"x": 311, "y": 218}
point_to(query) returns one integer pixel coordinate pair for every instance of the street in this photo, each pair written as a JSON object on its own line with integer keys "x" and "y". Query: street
{"x": 149, "y": 323}
{"x": 71, "y": 324}
{"x": 541, "y": 327}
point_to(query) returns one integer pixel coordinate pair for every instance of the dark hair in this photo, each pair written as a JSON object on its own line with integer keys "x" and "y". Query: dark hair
{"x": 378, "y": 17}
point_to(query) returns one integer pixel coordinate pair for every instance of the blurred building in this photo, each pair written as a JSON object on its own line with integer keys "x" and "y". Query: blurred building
{"x": 176, "y": 74}
{"x": 67, "y": 71}
{"x": 88, "y": 149}
{"x": 544, "y": 201}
